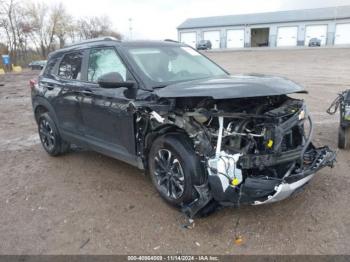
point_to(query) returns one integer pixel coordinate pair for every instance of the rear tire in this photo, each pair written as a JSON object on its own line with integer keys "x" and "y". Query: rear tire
{"x": 344, "y": 138}
{"x": 175, "y": 168}
{"x": 50, "y": 138}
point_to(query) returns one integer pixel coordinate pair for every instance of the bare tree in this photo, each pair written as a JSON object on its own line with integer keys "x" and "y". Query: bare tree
{"x": 9, "y": 23}
{"x": 48, "y": 26}
{"x": 15, "y": 29}
{"x": 92, "y": 27}
{"x": 64, "y": 23}
{"x": 41, "y": 28}
{"x": 6, "y": 31}
{"x": 25, "y": 25}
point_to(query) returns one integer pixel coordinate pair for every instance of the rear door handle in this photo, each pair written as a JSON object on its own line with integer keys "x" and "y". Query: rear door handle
{"x": 49, "y": 86}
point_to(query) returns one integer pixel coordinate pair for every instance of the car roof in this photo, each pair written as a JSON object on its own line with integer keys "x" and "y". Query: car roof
{"x": 150, "y": 43}
{"x": 111, "y": 40}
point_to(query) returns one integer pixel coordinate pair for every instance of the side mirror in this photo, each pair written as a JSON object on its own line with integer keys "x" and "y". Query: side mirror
{"x": 114, "y": 80}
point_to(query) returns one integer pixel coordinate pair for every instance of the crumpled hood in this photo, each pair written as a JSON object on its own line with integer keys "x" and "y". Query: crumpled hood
{"x": 234, "y": 86}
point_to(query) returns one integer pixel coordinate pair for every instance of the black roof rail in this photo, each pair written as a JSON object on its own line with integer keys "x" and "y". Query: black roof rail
{"x": 93, "y": 40}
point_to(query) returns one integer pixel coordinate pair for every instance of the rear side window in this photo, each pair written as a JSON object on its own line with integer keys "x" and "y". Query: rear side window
{"x": 103, "y": 61}
{"x": 70, "y": 66}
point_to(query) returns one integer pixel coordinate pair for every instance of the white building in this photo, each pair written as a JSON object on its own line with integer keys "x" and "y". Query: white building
{"x": 275, "y": 29}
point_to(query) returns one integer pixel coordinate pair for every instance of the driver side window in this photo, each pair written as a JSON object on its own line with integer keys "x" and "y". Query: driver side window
{"x": 103, "y": 61}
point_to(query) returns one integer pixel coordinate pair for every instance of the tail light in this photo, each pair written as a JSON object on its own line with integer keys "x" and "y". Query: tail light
{"x": 32, "y": 83}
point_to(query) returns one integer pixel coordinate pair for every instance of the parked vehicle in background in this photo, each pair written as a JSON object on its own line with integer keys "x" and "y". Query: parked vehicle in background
{"x": 37, "y": 65}
{"x": 204, "y": 45}
{"x": 207, "y": 138}
{"x": 314, "y": 42}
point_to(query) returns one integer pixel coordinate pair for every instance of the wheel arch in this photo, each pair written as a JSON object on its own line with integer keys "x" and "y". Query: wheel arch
{"x": 171, "y": 130}
{"x": 159, "y": 131}
{"x": 41, "y": 105}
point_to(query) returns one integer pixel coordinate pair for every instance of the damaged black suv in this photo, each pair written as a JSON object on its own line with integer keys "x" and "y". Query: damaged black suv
{"x": 205, "y": 137}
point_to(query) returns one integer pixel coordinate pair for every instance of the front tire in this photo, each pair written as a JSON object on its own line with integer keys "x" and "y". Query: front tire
{"x": 175, "y": 169}
{"x": 50, "y": 138}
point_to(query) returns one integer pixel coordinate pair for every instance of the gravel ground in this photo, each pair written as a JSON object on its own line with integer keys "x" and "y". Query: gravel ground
{"x": 86, "y": 203}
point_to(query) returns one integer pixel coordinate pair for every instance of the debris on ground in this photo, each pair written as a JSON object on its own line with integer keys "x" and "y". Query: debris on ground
{"x": 238, "y": 240}
{"x": 189, "y": 225}
{"x": 85, "y": 243}
{"x": 238, "y": 237}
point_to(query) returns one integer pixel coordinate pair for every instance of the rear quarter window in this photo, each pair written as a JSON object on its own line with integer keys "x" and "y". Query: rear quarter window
{"x": 51, "y": 66}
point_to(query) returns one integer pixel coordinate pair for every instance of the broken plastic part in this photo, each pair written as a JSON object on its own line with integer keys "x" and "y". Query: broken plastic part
{"x": 221, "y": 127}
{"x": 157, "y": 117}
{"x": 204, "y": 197}
{"x": 225, "y": 167}
{"x": 269, "y": 143}
{"x": 285, "y": 190}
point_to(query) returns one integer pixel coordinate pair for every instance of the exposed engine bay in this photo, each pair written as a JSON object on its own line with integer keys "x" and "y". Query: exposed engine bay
{"x": 255, "y": 150}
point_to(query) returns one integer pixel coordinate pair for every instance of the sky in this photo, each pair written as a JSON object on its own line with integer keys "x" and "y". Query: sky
{"x": 158, "y": 19}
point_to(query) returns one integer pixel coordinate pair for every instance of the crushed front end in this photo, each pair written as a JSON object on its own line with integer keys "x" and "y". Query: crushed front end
{"x": 255, "y": 150}
{"x": 264, "y": 155}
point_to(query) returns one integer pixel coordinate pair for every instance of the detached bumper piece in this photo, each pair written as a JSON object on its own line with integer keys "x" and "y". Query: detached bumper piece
{"x": 322, "y": 157}
{"x": 285, "y": 190}
{"x": 259, "y": 190}
{"x": 204, "y": 197}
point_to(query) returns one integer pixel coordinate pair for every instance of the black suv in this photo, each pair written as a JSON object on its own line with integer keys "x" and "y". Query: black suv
{"x": 206, "y": 138}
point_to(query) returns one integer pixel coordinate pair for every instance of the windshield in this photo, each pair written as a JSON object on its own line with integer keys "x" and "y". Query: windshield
{"x": 167, "y": 64}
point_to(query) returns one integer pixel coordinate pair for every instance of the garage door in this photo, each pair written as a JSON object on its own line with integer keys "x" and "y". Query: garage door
{"x": 287, "y": 36}
{"x": 316, "y": 31}
{"x": 235, "y": 38}
{"x": 213, "y": 37}
{"x": 189, "y": 38}
{"x": 342, "y": 34}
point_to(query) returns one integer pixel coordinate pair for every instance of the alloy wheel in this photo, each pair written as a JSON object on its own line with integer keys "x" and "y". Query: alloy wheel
{"x": 169, "y": 174}
{"x": 47, "y": 135}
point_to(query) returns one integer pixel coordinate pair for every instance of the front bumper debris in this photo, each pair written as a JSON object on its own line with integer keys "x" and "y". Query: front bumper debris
{"x": 258, "y": 190}
{"x": 324, "y": 157}
{"x": 285, "y": 190}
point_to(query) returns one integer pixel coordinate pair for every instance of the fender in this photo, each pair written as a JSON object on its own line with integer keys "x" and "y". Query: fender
{"x": 160, "y": 130}
{"x": 41, "y": 101}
